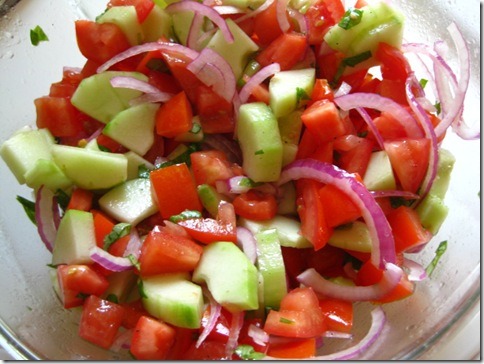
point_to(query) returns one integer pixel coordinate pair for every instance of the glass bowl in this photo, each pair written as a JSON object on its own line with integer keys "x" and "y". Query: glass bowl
{"x": 33, "y": 325}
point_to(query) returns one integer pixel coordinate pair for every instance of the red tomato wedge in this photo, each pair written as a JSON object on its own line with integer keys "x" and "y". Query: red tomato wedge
{"x": 152, "y": 339}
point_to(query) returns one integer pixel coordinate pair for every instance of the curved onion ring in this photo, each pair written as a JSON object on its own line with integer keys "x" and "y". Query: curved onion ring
{"x": 215, "y": 310}
{"x": 246, "y": 241}
{"x": 257, "y": 79}
{"x": 391, "y": 277}
{"x": 109, "y": 261}
{"x": 44, "y": 216}
{"x": 383, "y": 246}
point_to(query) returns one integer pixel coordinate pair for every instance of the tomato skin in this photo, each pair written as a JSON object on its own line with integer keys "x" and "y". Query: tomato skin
{"x": 152, "y": 339}
{"x": 287, "y": 50}
{"x": 320, "y": 16}
{"x": 209, "y": 166}
{"x": 338, "y": 313}
{"x": 143, "y": 7}
{"x": 78, "y": 280}
{"x": 99, "y": 42}
{"x": 81, "y": 199}
{"x": 208, "y": 350}
{"x": 162, "y": 252}
{"x": 294, "y": 349}
{"x": 100, "y": 321}
{"x": 58, "y": 115}
{"x": 266, "y": 25}
{"x": 255, "y": 205}
{"x": 132, "y": 313}
{"x": 394, "y": 65}
{"x": 298, "y": 317}
{"x": 174, "y": 117}
{"x": 356, "y": 158}
{"x": 207, "y": 230}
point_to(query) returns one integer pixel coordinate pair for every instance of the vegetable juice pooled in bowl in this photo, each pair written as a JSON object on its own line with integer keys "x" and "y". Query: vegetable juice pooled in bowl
{"x": 226, "y": 180}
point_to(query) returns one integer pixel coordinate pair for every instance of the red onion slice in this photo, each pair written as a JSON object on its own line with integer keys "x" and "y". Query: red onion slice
{"x": 371, "y": 125}
{"x": 429, "y": 134}
{"x": 194, "y": 32}
{"x": 151, "y": 98}
{"x": 147, "y": 47}
{"x": 300, "y": 20}
{"x": 257, "y": 79}
{"x": 215, "y": 310}
{"x": 391, "y": 277}
{"x": 416, "y": 272}
{"x": 44, "y": 216}
{"x": 228, "y": 10}
{"x": 381, "y": 103}
{"x": 227, "y": 145}
{"x": 134, "y": 244}
{"x": 281, "y": 12}
{"x": 338, "y": 335}
{"x": 204, "y": 10}
{"x": 343, "y": 89}
{"x": 213, "y": 70}
{"x": 109, "y": 261}
{"x": 152, "y": 93}
{"x": 122, "y": 340}
{"x": 95, "y": 134}
{"x": 257, "y": 334}
{"x": 234, "y": 331}
{"x": 247, "y": 243}
{"x": 395, "y": 193}
{"x": 56, "y": 214}
{"x": 383, "y": 246}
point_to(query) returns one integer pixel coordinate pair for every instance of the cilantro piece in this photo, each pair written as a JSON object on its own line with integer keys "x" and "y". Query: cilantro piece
{"x": 354, "y": 60}
{"x": 423, "y": 82}
{"x": 119, "y": 230}
{"x": 247, "y": 182}
{"x": 396, "y": 202}
{"x": 438, "y": 108}
{"x": 29, "y": 208}
{"x": 102, "y": 148}
{"x": 185, "y": 215}
{"x": 37, "y": 35}
{"x": 284, "y": 320}
{"x": 438, "y": 254}
{"x": 141, "y": 289}
{"x": 259, "y": 152}
{"x": 112, "y": 298}
{"x": 182, "y": 158}
{"x": 62, "y": 199}
{"x": 301, "y": 95}
{"x": 247, "y": 352}
{"x": 143, "y": 171}
{"x": 351, "y": 18}
{"x": 134, "y": 261}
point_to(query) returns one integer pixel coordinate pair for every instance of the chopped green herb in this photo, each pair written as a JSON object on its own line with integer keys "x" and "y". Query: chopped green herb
{"x": 102, "y": 148}
{"x": 141, "y": 289}
{"x": 396, "y": 202}
{"x": 134, "y": 261}
{"x": 247, "y": 182}
{"x": 100, "y": 15}
{"x": 351, "y": 18}
{"x": 438, "y": 254}
{"x": 438, "y": 108}
{"x": 284, "y": 320}
{"x": 354, "y": 60}
{"x": 363, "y": 134}
{"x": 53, "y": 265}
{"x": 182, "y": 158}
{"x": 301, "y": 95}
{"x": 247, "y": 352}
{"x": 112, "y": 298}
{"x": 37, "y": 35}
{"x": 185, "y": 215}
{"x": 423, "y": 82}
{"x": 62, "y": 199}
{"x": 82, "y": 295}
{"x": 143, "y": 171}
{"x": 29, "y": 208}
{"x": 259, "y": 152}
{"x": 119, "y": 230}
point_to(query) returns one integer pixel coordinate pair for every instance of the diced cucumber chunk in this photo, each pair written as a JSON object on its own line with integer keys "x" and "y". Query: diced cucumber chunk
{"x": 91, "y": 169}
{"x": 379, "y": 173}
{"x": 237, "y": 54}
{"x": 22, "y": 150}
{"x": 174, "y": 299}
{"x": 46, "y": 172}
{"x": 432, "y": 212}
{"x": 74, "y": 239}
{"x": 271, "y": 267}
{"x": 129, "y": 202}
{"x": 353, "y": 237}
{"x": 157, "y": 24}
{"x": 120, "y": 285}
{"x": 126, "y": 18}
{"x": 134, "y": 128}
{"x": 210, "y": 198}
{"x": 97, "y": 98}
{"x": 260, "y": 142}
{"x": 134, "y": 163}
{"x": 230, "y": 276}
{"x": 287, "y": 230}
{"x": 287, "y": 88}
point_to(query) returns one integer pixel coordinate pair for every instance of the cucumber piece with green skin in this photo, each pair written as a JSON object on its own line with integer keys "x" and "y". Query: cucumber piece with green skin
{"x": 90, "y": 169}
{"x": 271, "y": 267}
{"x": 290, "y": 127}
{"x": 22, "y": 150}
{"x": 210, "y": 198}
{"x": 75, "y": 237}
{"x": 134, "y": 128}
{"x": 120, "y": 285}
{"x": 238, "y": 53}
{"x": 46, "y": 172}
{"x": 379, "y": 173}
{"x": 380, "y": 22}
{"x": 260, "y": 142}
{"x": 432, "y": 210}
{"x": 230, "y": 276}
{"x": 97, "y": 98}
{"x": 174, "y": 299}
{"x": 182, "y": 21}
{"x": 157, "y": 24}
{"x": 134, "y": 162}
{"x": 130, "y": 202}
{"x": 287, "y": 230}
{"x": 355, "y": 237}
{"x": 126, "y": 18}
{"x": 288, "y": 88}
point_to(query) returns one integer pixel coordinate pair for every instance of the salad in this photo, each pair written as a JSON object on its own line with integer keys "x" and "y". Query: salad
{"x": 226, "y": 180}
